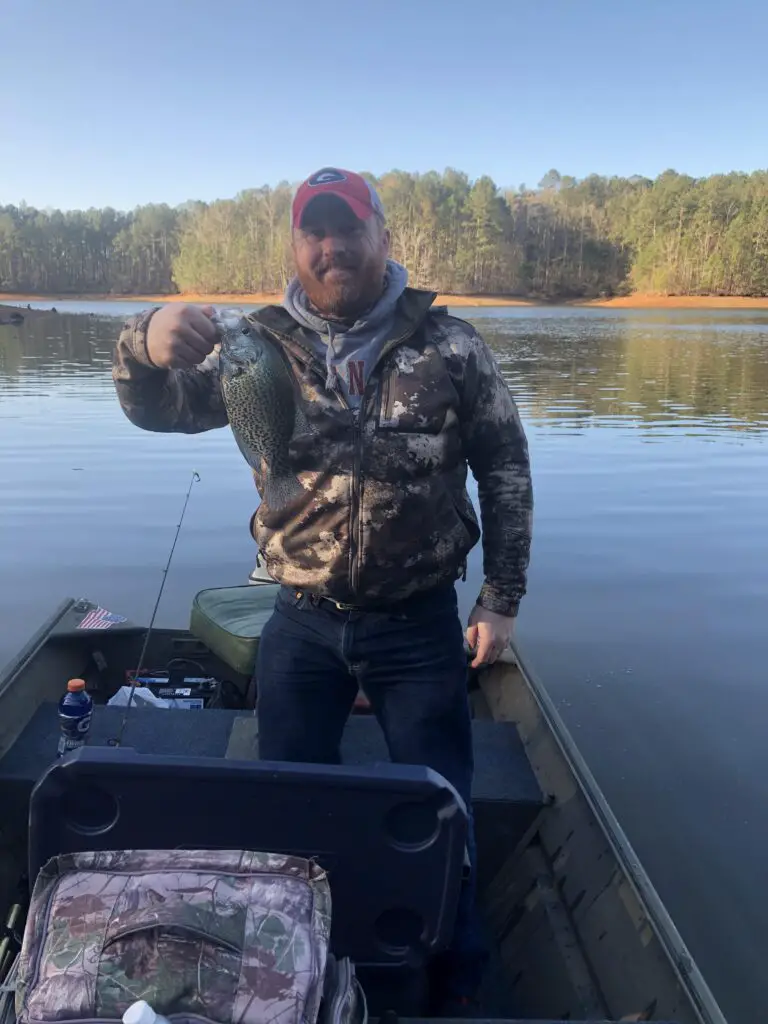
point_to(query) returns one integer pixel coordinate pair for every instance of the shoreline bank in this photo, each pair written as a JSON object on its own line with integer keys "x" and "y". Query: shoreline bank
{"x": 253, "y": 299}
{"x": 8, "y": 309}
{"x": 648, "y": 301}
{"x": 17, "y": 303}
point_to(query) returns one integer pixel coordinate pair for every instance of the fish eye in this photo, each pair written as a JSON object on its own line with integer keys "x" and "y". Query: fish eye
{"x": 246, "y": 330}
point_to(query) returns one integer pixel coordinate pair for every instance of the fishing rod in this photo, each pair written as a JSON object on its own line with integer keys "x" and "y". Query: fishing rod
{"x": 195, "y": 479}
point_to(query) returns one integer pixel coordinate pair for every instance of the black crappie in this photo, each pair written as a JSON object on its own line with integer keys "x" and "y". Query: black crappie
{"x": 262, "y": 403}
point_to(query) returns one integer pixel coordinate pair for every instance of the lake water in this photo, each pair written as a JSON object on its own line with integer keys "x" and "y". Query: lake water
{"x": 648, "y": 586}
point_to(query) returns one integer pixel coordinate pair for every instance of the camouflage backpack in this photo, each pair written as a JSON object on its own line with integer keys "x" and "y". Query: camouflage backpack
{"x": 225, "y": 937}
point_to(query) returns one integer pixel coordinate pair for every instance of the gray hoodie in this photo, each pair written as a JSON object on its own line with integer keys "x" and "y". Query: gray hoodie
{"x": 349, "y": 353}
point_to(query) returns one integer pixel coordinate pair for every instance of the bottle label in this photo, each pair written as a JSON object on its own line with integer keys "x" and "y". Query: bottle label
{"x": 74, "y": 729}
{"x": 84, "y": 723}
{"x": 75, "y": 726}
{"x": 67, "y": 743}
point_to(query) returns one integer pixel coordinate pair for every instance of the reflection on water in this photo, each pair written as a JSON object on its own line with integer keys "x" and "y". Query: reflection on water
{"x": 648, "y": 584}
{"x": 581, "y": 374}
{"x": 574, "y": 371}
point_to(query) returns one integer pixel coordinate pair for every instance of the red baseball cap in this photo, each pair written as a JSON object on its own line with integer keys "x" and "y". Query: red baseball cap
{"x": 359, "y": 196}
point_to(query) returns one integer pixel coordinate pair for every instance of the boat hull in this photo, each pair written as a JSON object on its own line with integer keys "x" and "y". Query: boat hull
{"x": 578, "y": 931}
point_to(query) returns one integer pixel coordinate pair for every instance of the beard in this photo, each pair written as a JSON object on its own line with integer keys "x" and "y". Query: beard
{"x": 345, "y": 294}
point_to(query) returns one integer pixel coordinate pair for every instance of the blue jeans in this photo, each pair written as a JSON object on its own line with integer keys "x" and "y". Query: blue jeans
{"x": 410, "y": 663}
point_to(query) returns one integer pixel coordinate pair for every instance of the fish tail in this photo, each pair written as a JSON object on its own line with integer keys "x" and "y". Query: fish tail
{"x": 281, "y": 489}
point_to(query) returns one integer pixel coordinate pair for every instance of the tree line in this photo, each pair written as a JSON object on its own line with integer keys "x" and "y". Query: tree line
{"x": 565, "y": 238}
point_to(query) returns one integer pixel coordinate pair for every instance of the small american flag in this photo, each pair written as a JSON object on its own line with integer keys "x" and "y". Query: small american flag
{"x": 100, "y": 618}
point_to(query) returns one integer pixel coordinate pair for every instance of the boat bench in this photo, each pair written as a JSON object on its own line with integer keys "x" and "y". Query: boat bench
{"x": 505, "y": 795}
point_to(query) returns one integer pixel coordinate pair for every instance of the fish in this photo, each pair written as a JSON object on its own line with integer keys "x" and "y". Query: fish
{"x": 263, "y": 407}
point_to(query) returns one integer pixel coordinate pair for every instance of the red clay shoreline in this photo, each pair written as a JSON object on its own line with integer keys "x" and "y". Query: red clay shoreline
{"x": 12, "y": 303}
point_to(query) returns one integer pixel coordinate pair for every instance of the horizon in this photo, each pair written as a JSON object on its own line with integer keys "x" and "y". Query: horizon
{"x": 166, "y": 103}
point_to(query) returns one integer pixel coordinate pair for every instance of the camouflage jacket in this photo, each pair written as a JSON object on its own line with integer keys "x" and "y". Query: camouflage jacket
{"x": 385, "y": 512}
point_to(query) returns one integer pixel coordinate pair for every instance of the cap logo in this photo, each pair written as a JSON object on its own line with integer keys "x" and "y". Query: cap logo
{"x": 326, "y": 176}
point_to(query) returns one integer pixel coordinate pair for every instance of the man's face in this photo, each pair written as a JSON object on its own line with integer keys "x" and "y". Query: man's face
{"x": 340, "y": 260}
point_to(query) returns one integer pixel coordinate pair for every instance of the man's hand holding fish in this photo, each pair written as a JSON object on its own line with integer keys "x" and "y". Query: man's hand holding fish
{"x": 180, "y": 336}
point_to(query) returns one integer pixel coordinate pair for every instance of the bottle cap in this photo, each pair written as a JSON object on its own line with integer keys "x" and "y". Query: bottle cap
{"x": 139, "y": 1013}
{"x": 74, "y": 685}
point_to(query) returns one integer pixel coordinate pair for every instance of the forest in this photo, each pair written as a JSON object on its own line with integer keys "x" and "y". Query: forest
{"x": 564, "y": 239}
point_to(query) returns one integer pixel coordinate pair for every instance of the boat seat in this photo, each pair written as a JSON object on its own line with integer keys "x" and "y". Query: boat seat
{"x": 391, "y": 836}
{"x": 229, "y": 621}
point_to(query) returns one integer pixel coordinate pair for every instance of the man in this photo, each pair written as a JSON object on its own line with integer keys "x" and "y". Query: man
{"x": 400, "y": 398}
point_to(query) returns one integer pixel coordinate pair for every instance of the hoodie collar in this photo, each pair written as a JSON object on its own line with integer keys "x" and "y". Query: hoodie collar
{"x": 301, "y": 309}
{"x": 410, "y": 311}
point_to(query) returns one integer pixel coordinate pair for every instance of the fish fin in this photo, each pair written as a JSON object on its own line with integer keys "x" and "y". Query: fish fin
{"x": 280, "y": 490}
{"x": 300, "y": 421}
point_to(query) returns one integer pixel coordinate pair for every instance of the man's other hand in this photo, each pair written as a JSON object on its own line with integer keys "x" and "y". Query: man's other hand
{"x": 180, "y": 336}
{"x": 488, "y": 635}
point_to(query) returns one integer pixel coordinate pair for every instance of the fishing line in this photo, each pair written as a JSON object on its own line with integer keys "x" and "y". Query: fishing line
{"x": 192, "y": 482}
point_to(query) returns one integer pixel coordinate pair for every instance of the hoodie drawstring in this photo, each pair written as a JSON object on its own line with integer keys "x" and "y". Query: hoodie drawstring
{"x": 330, "y": 369}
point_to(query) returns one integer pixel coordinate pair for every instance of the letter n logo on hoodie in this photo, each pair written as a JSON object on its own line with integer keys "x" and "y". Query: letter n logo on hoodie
{"x": 356, "y": 376}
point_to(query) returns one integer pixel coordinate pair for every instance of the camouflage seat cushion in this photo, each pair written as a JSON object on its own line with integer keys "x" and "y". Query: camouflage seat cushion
{"x": 229, "y": 621}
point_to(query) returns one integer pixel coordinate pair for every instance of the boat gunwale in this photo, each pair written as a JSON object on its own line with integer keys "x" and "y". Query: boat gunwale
{"x": 679, "y": 956}
{"x": 34, "y": 644}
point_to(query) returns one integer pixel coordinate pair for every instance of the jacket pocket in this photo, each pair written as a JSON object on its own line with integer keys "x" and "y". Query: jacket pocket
{"x": 416, "y": 392}
{"x": 466, "y": 513}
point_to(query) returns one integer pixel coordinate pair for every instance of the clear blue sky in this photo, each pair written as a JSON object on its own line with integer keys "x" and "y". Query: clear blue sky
{"x": 121, "y": 102}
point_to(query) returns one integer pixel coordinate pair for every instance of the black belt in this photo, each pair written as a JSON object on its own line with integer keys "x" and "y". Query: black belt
{"x": 338, "y": 605}
{"x": 342, "y": 607}
{"x": 407, "y": 602}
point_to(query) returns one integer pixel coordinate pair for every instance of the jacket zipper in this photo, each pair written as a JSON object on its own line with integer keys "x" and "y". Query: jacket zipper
{"x": 356, "y": 520}
{"x": 358, "y": 482}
